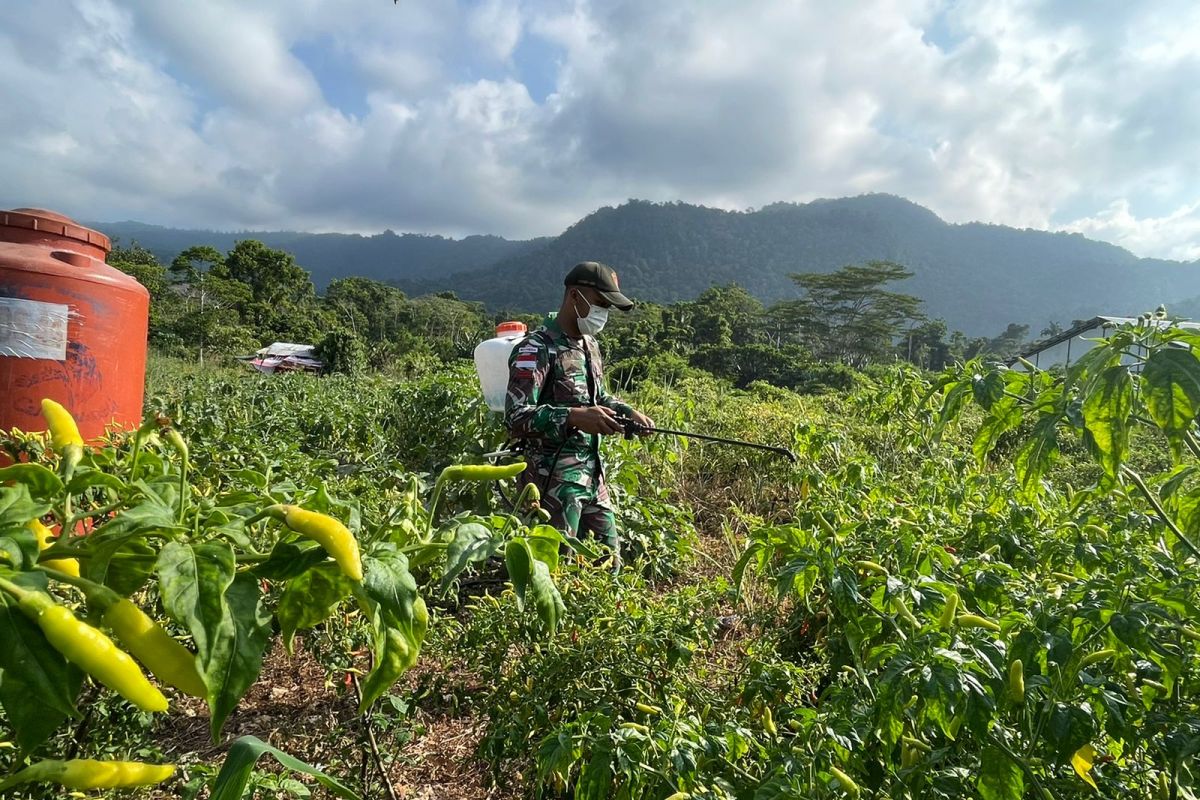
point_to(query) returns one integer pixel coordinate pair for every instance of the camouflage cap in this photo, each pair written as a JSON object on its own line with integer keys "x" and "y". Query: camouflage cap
{"x": 602, "y": 278}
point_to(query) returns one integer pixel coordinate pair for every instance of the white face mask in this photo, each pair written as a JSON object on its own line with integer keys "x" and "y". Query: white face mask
{"x": 593, "y": 322}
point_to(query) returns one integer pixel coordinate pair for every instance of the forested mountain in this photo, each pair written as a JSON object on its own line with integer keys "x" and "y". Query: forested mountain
{"x": 384, "y": 257}
{"x": 977, "y": 277}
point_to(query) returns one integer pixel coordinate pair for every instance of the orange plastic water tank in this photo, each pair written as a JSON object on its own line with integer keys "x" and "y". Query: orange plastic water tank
{"x": 72, "y": 328}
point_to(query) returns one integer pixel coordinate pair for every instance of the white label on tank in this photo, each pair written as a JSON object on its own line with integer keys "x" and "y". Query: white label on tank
{"x": 31, "y": 329}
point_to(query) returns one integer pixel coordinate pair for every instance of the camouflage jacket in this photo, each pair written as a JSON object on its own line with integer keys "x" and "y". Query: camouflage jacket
{"x": 549, "y": 373}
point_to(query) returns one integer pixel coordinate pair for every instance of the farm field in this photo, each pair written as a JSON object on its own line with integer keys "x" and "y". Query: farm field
{"x": 979, "y": 583}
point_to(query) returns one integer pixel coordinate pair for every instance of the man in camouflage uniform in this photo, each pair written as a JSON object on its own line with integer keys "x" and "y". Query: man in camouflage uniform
{"x": 557, "y": 402}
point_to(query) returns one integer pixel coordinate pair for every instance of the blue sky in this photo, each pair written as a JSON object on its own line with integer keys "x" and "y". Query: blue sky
{"x": 517, "y": 117}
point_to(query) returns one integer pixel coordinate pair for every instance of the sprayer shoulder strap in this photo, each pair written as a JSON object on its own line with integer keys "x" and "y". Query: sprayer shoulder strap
{"x": 552, "y": 356}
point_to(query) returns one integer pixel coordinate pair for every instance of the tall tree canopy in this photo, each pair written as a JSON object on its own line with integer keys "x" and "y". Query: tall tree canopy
{"x": 849, "y": 316}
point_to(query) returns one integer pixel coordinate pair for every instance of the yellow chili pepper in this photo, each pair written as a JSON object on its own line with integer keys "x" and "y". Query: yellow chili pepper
{"x": 167, "y": 659}
{"x": 45, "y": 537}
{"x": 847, "y": 783}
{"x": 1016, "y": 681}
{"x": 64, "y": 436}
{"x": 976, "y": 621}
{"x": 769, "y": 722}
{"x": 902, "y": 611}
{"x": 87, "y": 773}
{"x": 1096, "y": 657}
{"x": 64, "y": 433}
{"x": 947, "y": 619}
{"x": 331, "y": 534}
{"x": 482, "y": 472}
{"x": 92, "y": 651}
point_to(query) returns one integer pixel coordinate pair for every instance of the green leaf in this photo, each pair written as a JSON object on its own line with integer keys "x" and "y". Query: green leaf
{"x": 42, "y": 482}
{"x": 397, "y": 648}
{"x": 1037, "y": 455}
{"x": 988, "y": 389}
{"x": 197, "y": 586}
{"x": 1172, "y": 390}
{"x": 111, "y": 566}
{"x": 1106, "y": 410}
{"x": 1005, "y": 416}
{"x": 1000, "y": 778}
{"x": 17, "y": 509}
{"x": 309, "y": 599}
{"x": 235, "y": 773}
{"x": 1070, "y": 728}
{"x": 193, "y": 580}
{"x": 18, "y": 547}
{"x": 519, "y": 560}
{"x": 237, "y": 661}
{"x": 387, "y": 581}
{"x": 544, "y": 542}
{"x": 582, "y": 548}
{"x": 32, "y": 722}
{"x": 290, "y": 559}
{"x": 953, "y": 397}
{"x": 38, "y": 686}
{"x": 1188, "y": 505}
{"x": 546, "y": 598}
{"x": 472, "y": 543}
{"x": 85, "y": 478}
{"x": 596, "y": 776}
{"x": 148, "y": 517}
{"x": 1178, "y": 477}
{"x": 739, "y": 569}
{"x": 559, "y": 751}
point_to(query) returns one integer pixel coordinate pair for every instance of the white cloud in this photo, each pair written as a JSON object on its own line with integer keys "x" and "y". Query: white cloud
{"x": 496, "y": 25}
{"x": 1080, "y": 117}
{"x": 1174, "y": 235}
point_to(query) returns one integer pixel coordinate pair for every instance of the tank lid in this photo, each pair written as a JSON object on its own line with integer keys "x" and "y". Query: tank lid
{"x": 55, "y": 224}
{"x": 510, "y": 328}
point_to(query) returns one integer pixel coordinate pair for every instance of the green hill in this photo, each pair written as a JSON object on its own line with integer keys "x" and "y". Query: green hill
{"x": 977, "y": 277}
{"x": 386, "y": 256}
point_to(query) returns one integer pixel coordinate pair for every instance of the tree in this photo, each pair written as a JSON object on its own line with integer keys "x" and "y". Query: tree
{"x": 451, "y": 327}
{"x": 848, "y": 316}
{"x": 1007, "y": 345}
{"x": 342, "y": 352}
{"x": 1052, "y": 329}
{"x": 925, "y": 345}
{"x": 283, "y": 303}
{"x": 210, "y": 301}
{"x": 143, "y": 266}
{"x": 724, "y": 315}
{"x": 638, "y": 333}
{"x": 374, "y": 311}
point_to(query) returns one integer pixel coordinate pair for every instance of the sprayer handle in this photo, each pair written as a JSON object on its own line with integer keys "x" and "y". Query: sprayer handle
{"x": 631, "y": 426}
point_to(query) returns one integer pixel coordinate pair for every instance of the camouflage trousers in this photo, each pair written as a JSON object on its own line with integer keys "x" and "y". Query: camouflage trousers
{"x": 579, "y": 510}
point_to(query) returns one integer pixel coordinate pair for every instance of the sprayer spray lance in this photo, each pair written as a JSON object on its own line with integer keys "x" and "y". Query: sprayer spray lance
{"x": 632, "y": 428}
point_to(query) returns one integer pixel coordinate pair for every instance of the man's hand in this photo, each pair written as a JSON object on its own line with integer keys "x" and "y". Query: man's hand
{"x": 594, "y": 419}
{"x": 646, "y": 424}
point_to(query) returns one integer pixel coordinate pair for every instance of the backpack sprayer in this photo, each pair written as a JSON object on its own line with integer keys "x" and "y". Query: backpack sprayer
{"x": 491, "y": 362}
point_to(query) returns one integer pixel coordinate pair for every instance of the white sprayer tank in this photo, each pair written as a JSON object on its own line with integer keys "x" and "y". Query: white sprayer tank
{"x": 491, "y": 362}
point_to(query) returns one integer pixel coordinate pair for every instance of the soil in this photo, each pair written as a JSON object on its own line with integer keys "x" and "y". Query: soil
{"x": 431, "y": 755}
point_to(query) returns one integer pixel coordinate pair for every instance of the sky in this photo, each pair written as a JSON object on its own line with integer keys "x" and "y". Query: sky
{"x": 518, "y": 117}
